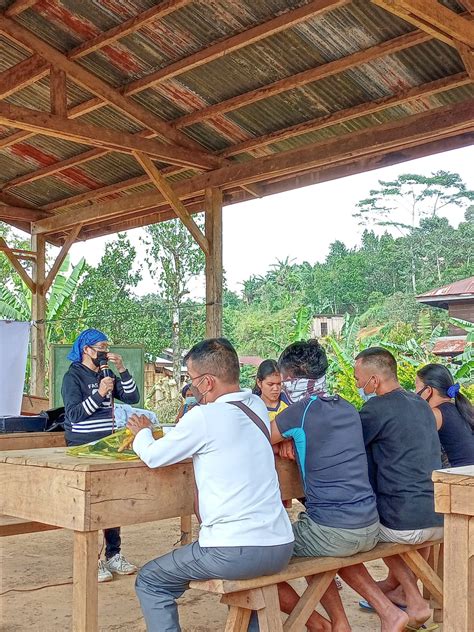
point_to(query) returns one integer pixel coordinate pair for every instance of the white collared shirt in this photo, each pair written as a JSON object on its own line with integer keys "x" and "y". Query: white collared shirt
{"x": 234, "y": 467}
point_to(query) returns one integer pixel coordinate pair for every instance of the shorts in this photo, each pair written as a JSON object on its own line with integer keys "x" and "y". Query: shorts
{"x": 411, "y": 536}
{"x": 317, "y": 540}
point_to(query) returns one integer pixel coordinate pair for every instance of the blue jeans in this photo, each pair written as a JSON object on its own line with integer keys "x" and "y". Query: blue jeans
{"x": 160, "y": 582}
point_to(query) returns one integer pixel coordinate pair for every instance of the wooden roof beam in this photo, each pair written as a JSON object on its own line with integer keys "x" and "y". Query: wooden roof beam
{"x": 58, "y": 92}
{"x": 75, "y": 131}
{"x": 70, "y": 239}
{"x": 18, "y": 6}
{"x": 449, "y": 120}
{"x": 467, "y": 56}
{"x": 434, "y": 18}
{"x": 92, "y": 83}
{"x": 161, "y": 10}
{"x": 8, "y": 212}
{"x": 231, "y": 44}
{"x": 303, "y": 78}
{"x": 13, "y": 259}
{"x": 173, "y": 200}
{"x": 21, "y": 75}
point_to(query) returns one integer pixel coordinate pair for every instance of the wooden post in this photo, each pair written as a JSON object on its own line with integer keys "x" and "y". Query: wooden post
{"x": 213, "y": 229}
{"x": 38, "y": 312}
{"x": 85, "y": 617}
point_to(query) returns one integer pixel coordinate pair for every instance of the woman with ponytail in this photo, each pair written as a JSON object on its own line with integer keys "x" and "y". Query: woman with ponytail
{"x": 268, "y": 387}
{"x": 452, "y": 410}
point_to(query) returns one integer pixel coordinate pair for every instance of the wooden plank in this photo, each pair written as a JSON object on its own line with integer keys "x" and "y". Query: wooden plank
{"x": 304, "y": 567}
{"x": 155, "y": 13}
{"x": 58, "y": 92}
{"x": 16, "y": 212}
{"x": 434, "y": 18}
{"x": 442, "y": 497}
{"x": 303, "y": 78}
{"x": 31, "y": 405}
{"x": 462, "y": 500}
{"x": 237, "y": 620}
{"x": 25, "y": 277}
{"x": 18, "y": 6}
{"x": 54, "y": 497}
{"x": 458, "y": 594}
{"x": 186, "y": 526}
{"x": 214, "y": 262}
{"x": 467, "y": 56}
{"x": 21, "y": 75}
{"x": 248, "y": 599}
{"x": 71, "y": 238}
{"x": 167, "y": 191}
{"x": 31, "y": 440}
{"x": 38, "y": 314}
{"x": 429, "y": 578}
{"x": 308, "y": 602}
{"x": 455, "y": 475}
{"x": 269, "y": 617}
{"x": 425, "y": 127}
{"x": 75, "y": 131}
{"x": 92, "y": 83}
{"x": 9, "y": 525}
{"x": 85, "y": 615}
{"x": 236, "y": 42}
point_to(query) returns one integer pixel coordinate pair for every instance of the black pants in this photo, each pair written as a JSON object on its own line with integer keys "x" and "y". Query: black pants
{"x": 111, "y": 536}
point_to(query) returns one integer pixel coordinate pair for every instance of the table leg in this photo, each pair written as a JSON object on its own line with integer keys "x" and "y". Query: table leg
{"x": 85, "y": 615}
{"x": 458, "y": 573}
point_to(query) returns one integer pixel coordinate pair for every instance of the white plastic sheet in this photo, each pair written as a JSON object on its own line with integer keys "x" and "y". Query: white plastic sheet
{"x": 14, "y": 339}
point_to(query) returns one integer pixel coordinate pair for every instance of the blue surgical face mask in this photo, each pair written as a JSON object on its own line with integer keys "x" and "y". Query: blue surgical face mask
{"x": 363, "y": 394}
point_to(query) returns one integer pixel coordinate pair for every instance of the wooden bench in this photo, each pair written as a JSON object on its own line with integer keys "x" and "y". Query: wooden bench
{"x": 261, "y": 593}
{"x": 9, "y": 525}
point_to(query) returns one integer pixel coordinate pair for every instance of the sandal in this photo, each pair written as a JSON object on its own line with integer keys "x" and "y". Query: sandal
{"x": 365, "y": 605}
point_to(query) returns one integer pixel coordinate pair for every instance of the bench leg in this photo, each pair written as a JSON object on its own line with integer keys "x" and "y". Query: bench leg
{"x": 85, "y": 617}
{"x": 438, "y": 607}
{"x": 269, "y": 617}
{"x": 308, "y": 602}
{"x": 186, "y": 530}
{"x": 425, "y": 573}
{"x": 238, "y": 619}
{"x": 432, "y": 563}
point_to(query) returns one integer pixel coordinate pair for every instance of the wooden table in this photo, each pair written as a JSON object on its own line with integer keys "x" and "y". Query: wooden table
{"x": 86, "y": 495}
{"x": 454, "y": 497}
{"x": 30, "y": 440}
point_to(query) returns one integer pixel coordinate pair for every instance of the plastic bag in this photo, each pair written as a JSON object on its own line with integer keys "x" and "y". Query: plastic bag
{"x": 117, "y": 446}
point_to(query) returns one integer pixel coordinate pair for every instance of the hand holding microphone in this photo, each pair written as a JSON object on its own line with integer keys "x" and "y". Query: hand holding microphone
{"x": 106, "y": 385}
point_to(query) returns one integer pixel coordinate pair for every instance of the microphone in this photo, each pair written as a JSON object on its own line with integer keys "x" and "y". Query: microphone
{"x": 104, "y": 368}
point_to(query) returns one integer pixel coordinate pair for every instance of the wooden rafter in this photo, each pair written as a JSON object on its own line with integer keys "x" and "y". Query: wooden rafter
{"x": 235, "y": 42}
{"x": 18, "y": 6}
{"x": 316, "y": 176}
{"x": 8, "y": 212}
{"x": 131, "y": 25}
{"x": 303, "y": 78}
{"x": 13, "y": 259}
{"x": 75, "y": 131}
{"x": 21, "y": 75}
{"x": 453, "y": 119}
{"x": 418, "y": 92}
{"x": 400, "y": 43}
{"x": 173, "y": 200}
{"x": 467, "y": 56}
{"x": 434, "y": 18}
{"x": 58, "y": 92}
{"x": 70, "y": 239}
{"x": 92, "y": 83}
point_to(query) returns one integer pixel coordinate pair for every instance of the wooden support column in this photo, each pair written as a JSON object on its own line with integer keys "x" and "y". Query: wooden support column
{"x": 214, "y": 275}
{"x": 38, "y": 312}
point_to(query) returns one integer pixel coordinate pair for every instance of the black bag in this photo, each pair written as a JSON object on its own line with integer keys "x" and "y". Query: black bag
{"x": 56, "y": 417}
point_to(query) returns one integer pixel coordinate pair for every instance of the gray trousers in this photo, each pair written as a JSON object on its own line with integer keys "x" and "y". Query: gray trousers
{"x": 160, "y": 582}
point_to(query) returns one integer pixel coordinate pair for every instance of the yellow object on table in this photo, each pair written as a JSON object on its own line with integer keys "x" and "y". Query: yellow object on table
{"x": 116, "y": 446}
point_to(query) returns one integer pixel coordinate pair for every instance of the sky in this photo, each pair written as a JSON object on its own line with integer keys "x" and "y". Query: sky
{"x": 298, "y": 224}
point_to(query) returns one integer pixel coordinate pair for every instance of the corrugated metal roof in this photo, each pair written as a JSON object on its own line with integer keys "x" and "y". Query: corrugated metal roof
{"x": 331, "y": 35}
{"x": 464, "y": 287}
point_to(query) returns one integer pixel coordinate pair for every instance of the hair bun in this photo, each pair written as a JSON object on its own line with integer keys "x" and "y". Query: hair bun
{"x": 453, "y": 390}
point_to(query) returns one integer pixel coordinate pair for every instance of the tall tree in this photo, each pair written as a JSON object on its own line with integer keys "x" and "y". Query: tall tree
{"x": 174, "y": 258}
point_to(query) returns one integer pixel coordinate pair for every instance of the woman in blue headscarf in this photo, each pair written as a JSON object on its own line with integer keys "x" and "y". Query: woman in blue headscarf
{"x": 88, "y": 397}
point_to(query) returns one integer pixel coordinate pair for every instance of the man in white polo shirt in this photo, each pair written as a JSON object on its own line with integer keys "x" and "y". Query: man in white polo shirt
{"x": 245, "y": 531}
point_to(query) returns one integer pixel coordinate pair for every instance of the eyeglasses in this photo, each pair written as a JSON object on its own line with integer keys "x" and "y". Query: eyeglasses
{"x": 100, "y": 348}
{"x": 190, "y": 379}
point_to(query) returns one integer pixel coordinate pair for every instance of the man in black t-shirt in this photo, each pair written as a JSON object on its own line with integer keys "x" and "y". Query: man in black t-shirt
{"x": 403, "y": 450}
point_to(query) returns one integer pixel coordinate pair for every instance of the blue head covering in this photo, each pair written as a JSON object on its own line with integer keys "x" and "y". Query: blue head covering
{"x": 87, "y": 338}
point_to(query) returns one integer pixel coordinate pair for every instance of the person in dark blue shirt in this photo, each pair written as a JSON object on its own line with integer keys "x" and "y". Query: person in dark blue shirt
{"x": 403, "y": 450}
{"x": 88, "y": 403}
{"x": 341, "y": 513}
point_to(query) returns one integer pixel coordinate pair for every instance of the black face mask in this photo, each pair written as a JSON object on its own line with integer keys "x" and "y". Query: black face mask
{"x": 101, "y": 357}
{"x": 422, "y": 391}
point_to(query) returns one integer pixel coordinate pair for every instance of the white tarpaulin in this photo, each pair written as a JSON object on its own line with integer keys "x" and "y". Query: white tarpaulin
{"x": 14, "y": 339}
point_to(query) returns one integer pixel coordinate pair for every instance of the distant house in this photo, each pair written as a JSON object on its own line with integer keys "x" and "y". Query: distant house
{"x": 327, "y": 324}
{"x": 458, "y": 299}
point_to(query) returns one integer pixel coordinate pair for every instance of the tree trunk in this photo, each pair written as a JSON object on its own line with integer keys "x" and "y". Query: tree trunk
{"x": 176, "y": 346}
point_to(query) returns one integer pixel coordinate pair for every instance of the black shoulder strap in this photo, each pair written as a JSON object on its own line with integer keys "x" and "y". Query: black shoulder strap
{"x": 254, "y": 417}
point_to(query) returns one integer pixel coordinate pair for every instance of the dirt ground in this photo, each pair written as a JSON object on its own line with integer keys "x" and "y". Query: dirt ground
{"x": 36, "y": 585}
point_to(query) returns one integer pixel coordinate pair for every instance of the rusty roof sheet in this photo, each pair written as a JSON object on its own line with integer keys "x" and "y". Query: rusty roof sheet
{"x": 462, "y": 288}
{"x": 450, "y": 346}
{"x": 334, "y": 34}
